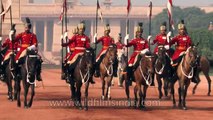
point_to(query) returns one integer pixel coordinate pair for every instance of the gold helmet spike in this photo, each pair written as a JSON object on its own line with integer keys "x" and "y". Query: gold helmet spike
{"x": 139, "y": 27}
{"x": 181, "y": 25}
{"x": 107, "y": 27}
{"x": 163, "y": 26}
{"x": 81, "y": 25}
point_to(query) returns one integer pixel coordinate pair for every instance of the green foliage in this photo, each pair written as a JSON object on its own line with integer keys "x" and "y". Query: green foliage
{"x": 197, "y": 23}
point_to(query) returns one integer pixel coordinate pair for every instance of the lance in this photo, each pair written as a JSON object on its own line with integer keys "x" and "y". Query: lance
{"x": 1, "y": 9}
{"x": 62, "y": 31}
{"x": 96, "y": 26}
{"x": 150, "y": 21}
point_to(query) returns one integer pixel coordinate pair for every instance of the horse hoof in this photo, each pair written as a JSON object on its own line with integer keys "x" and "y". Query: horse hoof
{"x": 26, "y": 107}
{"x": 86, "y": 108}
{"x": 15, "y": 98}
{"x": 184, "y": 108}
{"x": 102, "y": 97}
{"x": 80, "y": 108}
{"x": 19, "y": 104}
{"x": 129, "y": 104}
{"x": 174, "y": 105}
{"x": 209, "y": 94}
{"x": 109, "y": 98}
{"x": 193, "y": 92}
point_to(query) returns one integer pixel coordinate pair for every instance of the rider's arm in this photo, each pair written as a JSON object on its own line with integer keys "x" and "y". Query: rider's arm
{"x": 155, "y": 40}
{"x": 34, "y": 40}
{"x": 99, "y": 40}
{"x": 87, "y": 42}
{"x": 69, "y": 42}
{"x": 6, "y": 43}
{"x": 132, "y": 42}
{"x": 173, "y": 41}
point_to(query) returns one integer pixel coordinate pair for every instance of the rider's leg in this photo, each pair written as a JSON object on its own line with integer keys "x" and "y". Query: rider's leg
{"x": 97, "y": 67}
{"x": 38, "y": 70}
{"x": 130, "y": 75}
{"x": 115, "y": 67}
{"x": 137, "y": 62}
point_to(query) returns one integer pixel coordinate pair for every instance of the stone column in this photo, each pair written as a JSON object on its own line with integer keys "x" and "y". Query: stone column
{"x": 45, "y": 36}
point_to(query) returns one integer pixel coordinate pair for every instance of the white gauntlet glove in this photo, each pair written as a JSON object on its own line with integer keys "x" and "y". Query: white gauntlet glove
{"x": 149, "y": 38}
{"x": 95, "y": 38}
{"x": 126, "y": 39}
{"x": 32, "y": 47}
{"x": 144, "y": 51}
{"x": 11, "y": 34}
{"x": 168, "y": 36}
{"x": 166, "y": 47}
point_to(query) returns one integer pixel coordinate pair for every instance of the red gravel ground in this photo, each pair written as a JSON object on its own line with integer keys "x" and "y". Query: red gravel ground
{"x": 52, "y": 102}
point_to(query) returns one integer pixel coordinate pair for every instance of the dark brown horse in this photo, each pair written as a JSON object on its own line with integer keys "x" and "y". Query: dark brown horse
{"x": 82, "y": 74}
{"x": 26, "y": 73}
{"x": 106, "y": 70}
{"x": 204, "y": 66}
{"x": 185, "y": 72}
{"x": 143, "y": 79}
{"x": 163, "y": 70}
{"x": 9, "y": 76}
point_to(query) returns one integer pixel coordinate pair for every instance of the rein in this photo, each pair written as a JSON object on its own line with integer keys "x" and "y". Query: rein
{"x": 87, "y": 75}
{"x": 148, "y": 76}
{"x": 161, "y": 70}
{"x": 191, "y": 73}
{"x": 26, "y": 66}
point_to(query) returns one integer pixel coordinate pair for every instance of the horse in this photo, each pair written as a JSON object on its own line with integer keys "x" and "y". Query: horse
{"x": 26, "y": 73}
{"x": 82, "y": 74}
{"x": 184, "y": 74}
{"x": 106, "y": 70}
{"x": 122, "y": 64}
{"x": 9, "y": 76}
{"x": 204, "y": 66}
{"x": 163, "y": 69}
{"x": 143, "y": 78}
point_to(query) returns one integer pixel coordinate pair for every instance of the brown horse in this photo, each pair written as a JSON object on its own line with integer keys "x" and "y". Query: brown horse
{"x": 82, "y": 74}
{"x": 163, "y": 70}
{"x": 143, "y": 78}
{"x": 185, "y": 72}
{"x": 204, "y": 67}
{"x": 106, "y": 70}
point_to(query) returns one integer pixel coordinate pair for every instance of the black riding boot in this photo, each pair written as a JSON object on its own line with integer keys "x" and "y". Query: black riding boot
{"x": 115, "y": 68}
{"x": 38, "y": 70}
{"x": 195, "y": 76}
{"x": 64, "y": 73}
{"x": 70, "y": 70}
{"x": 130, "y": 75}
{"x": 135, "y": 66}
{"x": 97, "y": 68}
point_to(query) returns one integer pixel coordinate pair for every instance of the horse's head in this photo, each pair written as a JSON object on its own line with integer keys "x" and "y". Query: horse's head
{"x": 112, "y": 52}
{"x": 148, "y": 62}
{"x": 89, "y": 58}
{"x": 192, "y": 55}
{"x": 161, "y": 54}
{"x": 30, "y": 62}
